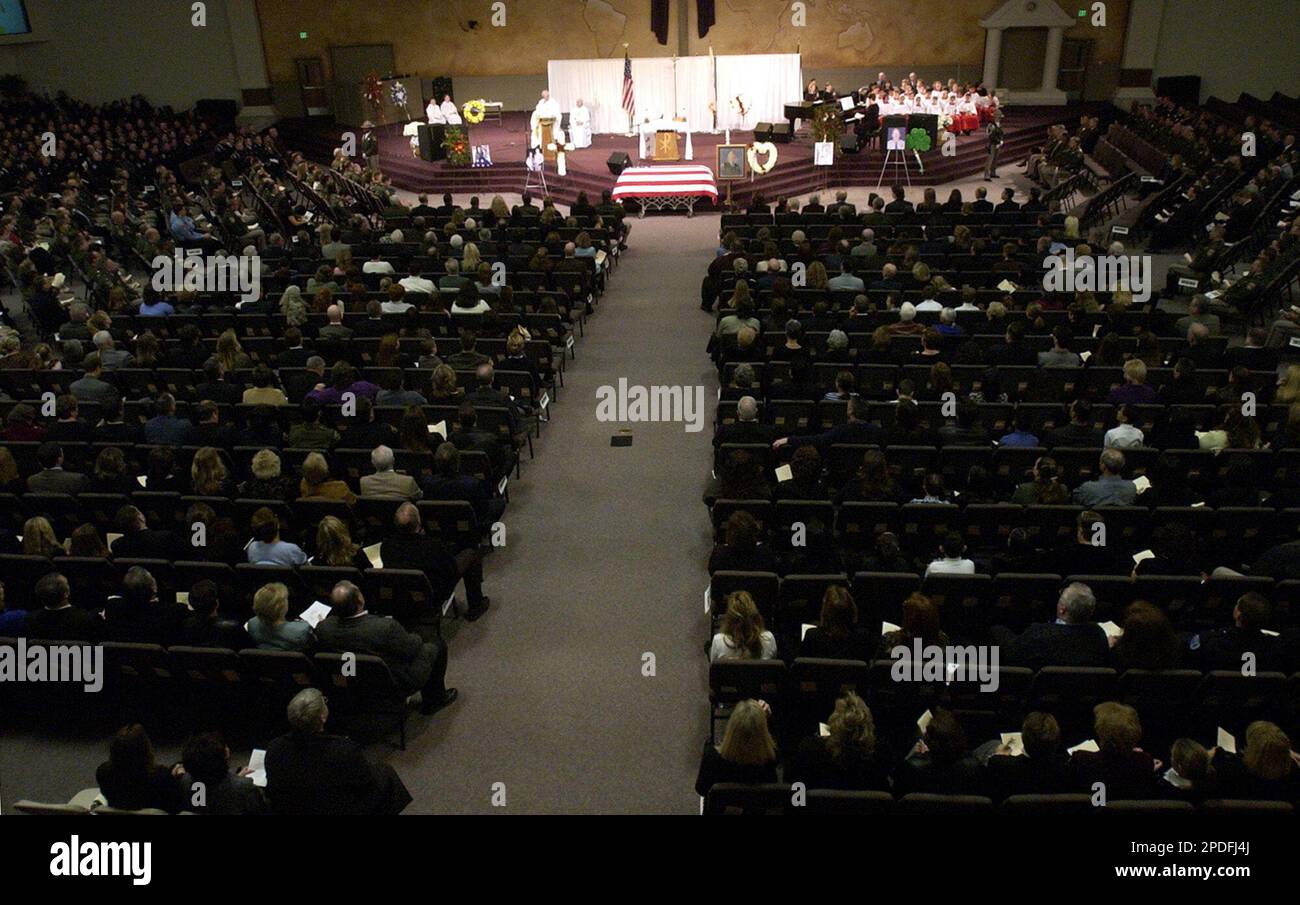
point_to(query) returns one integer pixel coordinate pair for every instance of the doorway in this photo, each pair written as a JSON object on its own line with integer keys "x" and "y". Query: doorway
{"x": 311, "y": 86}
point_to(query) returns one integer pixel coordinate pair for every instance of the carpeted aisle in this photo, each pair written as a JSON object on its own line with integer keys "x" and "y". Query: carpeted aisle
{"x": 605, "y": 561}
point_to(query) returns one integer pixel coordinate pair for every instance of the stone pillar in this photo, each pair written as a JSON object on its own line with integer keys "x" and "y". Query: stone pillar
{"x": 992, "y": 58}
{"x": 1052, "y": 60}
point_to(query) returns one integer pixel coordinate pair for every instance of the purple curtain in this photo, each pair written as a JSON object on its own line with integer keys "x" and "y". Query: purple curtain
{"x": 659, "y": 19}
{"x": 706, "y": 11}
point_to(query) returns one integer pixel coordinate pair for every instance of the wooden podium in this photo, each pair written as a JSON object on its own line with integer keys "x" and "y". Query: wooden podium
{"x": 546, "y": 126}
{"x": 666, "y": 147}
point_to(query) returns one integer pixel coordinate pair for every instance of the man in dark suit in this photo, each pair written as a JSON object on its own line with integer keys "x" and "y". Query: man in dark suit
{"x": 468, "y": 438}
{"x": 423, "y": 209}
{"x": 216, "y": 387}
{"x": 362, "y": 431}
{"x": 416, "y": 664}
{"x": 411, "y": 548}
{"x": 210, "y": 431}
{"x": 1226, "y": 648}
{"x": 57, "y": 619}
{"x": 981, "y": 204}
{"x": 1072, "y": 640}
{"x": 814, "y": 205}
{"x": 69, "y": 428}
{"x": 1008, "y": 205}
{"x": 297, "y": 386}
{"x": 900, "y": 204}
{"x": 746, "y": 428}
{"x": 309, "y": 772}
{"x": 206, "y": 627}
{"x": 1080, "y": 431}
{"x": 1091, "y": 552}
{"x": 1043, "y": 768}
{"x": 1013, "y": 351}
{"x": 52, "y": 478}
{"x": 138, "y": 615}
{"x": 856, "y": 430}
{"x": 295, "y": 355}
{"x": 139, "y": 541}
{"x": 485, "y": 394}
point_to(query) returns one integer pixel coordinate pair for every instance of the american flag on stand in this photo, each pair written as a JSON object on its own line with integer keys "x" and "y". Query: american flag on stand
{"x": 629, "y": 91}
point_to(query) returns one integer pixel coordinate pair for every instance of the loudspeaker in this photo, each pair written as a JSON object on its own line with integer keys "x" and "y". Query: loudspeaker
{"x": 763, "y": 132}
{"x": 431, "y": 138}
{"x": 618, "y": 162}
{"x": 441, "y": 86}
{"x": 1184, "y": 90}
{"x": 849, "y": 144}
{"x": 781, "y": 133}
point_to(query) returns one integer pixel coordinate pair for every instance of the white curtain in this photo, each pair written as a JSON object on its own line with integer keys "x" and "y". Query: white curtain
{"x": 695, "y": 91}
{"x": 767, "y": 82}
{"x": 682, "y": 87}
{"x": 600, "y": 85}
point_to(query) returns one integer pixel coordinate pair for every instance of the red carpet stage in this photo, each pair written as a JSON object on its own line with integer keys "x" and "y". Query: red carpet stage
{"x": 794, "y": 174}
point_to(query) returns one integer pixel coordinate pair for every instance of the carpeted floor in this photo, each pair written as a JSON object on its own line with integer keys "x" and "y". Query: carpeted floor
{"x": 604, "y": 563}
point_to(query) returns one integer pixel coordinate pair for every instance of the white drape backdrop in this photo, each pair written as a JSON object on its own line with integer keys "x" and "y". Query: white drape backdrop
{"x": 767, "y": 82}
{"x": 681, "y": 87}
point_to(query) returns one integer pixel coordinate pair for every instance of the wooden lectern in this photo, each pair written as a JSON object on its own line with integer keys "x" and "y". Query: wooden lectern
{"x": 546, "y": 126}
{"x": 666, "y": 147}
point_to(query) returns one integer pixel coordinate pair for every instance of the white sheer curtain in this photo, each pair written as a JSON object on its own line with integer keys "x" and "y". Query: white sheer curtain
{"x": 767, "y": 82}
{"x": 684, "y": 87}
{"x": 694, "y": 91}
{"x": 656, "y": 90}
{"x": 600, "y": 85}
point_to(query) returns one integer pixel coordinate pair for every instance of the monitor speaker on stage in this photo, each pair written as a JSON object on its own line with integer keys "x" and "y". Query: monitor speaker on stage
{"x": 849, "y": 143}
{"x": 430, "y": 139}
{"x": 763, "y": 132}
{"x": 618, "y": 162}
{"x": 780, "y": 133}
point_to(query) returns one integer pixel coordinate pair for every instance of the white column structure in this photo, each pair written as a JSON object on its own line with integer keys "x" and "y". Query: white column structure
{"x": 1044, "y": 14}
{"x": 246, "y": 51}
{"x": 992, "y": 58}
{"x": 1141, "y": 43}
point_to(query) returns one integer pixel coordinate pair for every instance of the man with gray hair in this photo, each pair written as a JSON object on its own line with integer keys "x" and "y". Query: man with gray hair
{"x": 746, "y": 428}
{"x": 387, "y": 484}
{"x": 845, "y": 209}
{"x": 867, "y": 247}
{"x": 1072, "y": 640}
{"x": 311, "y": 772}
{"x": 110, "y": 358}
{"x": 1110, "y": 488}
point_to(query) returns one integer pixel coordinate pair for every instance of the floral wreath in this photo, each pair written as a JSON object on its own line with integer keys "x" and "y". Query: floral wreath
{"x": 761, "y": 147}
{"x": 398, "y": 93}
{"x": 373, "y": 91}
{"x": 474, "y": 111}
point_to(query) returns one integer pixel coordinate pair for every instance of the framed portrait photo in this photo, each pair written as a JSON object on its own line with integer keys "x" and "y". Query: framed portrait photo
{"x": 731, "y": 162}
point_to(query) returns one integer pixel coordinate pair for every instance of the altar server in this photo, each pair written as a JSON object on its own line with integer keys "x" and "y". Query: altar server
{"x": 580, "y": 125}
{"x": 449, "y": 111}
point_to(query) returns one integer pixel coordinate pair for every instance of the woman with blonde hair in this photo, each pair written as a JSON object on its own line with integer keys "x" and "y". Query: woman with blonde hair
{"x": 267, "y": 483}
{"x": 269, "y": 629}
{"x": 470, "y": 259}
{"x": 335, "y": 547}
{"x": 208, "y": 474}
{"x": 1266, "y": 770}
{"x": 1125, "y": 769}
{"x": 817, "y": 278}
{"x": 39, "y": 539}
{"x": 747, "y": 754}
{"x": 1072, "y": 227}
{"x": 499, "y": 208}
{"x": 230, "y": 353}
{"x": 846, "y": 757}
{"x": 1288, "y": 388}
{"x": 442, "y": 386}
{"x": 741, "y": 635}
{"x": 316, "y": 483}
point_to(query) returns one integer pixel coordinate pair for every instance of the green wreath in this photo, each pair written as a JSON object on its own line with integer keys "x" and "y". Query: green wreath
{"x": 918, "y": 140}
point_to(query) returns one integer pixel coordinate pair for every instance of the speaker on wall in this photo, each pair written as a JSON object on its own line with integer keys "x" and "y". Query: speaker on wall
{"x": 442, "y": 87}
{"x": 1184, "y": 90}
{"x": 618, "y": 162}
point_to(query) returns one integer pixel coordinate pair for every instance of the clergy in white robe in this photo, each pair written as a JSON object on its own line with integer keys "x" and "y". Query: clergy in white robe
{"x": 545, "y": 109}
{"x": 580, "y": 125}
{"x": 435, "y": 113}
{"x": 449, "y": 110}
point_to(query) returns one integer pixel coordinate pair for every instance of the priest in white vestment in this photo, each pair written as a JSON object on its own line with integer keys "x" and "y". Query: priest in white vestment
{"x": 546, "y": 108}
{"x": 434, "y": 113}
{"x": 449, "y": 111}
{"x": 580, "y": 125}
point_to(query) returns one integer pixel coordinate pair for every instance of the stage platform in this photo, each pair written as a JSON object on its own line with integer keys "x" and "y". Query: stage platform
{"x": 793, "y": 176}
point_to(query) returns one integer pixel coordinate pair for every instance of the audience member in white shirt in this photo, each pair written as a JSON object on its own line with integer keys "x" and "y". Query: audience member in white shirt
{"x": 1124, "y": 435}
{"x": 741, "y": 635}
{"x": 953, "y": 560}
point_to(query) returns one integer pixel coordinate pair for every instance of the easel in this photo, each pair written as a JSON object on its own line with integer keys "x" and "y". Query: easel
{"x": 536, "y": 179}
{"x": 899, "y": 159}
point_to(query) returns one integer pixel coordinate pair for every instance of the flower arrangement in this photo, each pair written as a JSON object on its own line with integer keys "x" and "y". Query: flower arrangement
{"x": 826, "y": 123}
{"x": 373, "y": 91}
{"x": 761, "y": 167}
{"x": 740, "y": 106}
{"x": 398, "y": 95}
{"x": 456, "y": 141}
{"x": 474, "y": 111}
